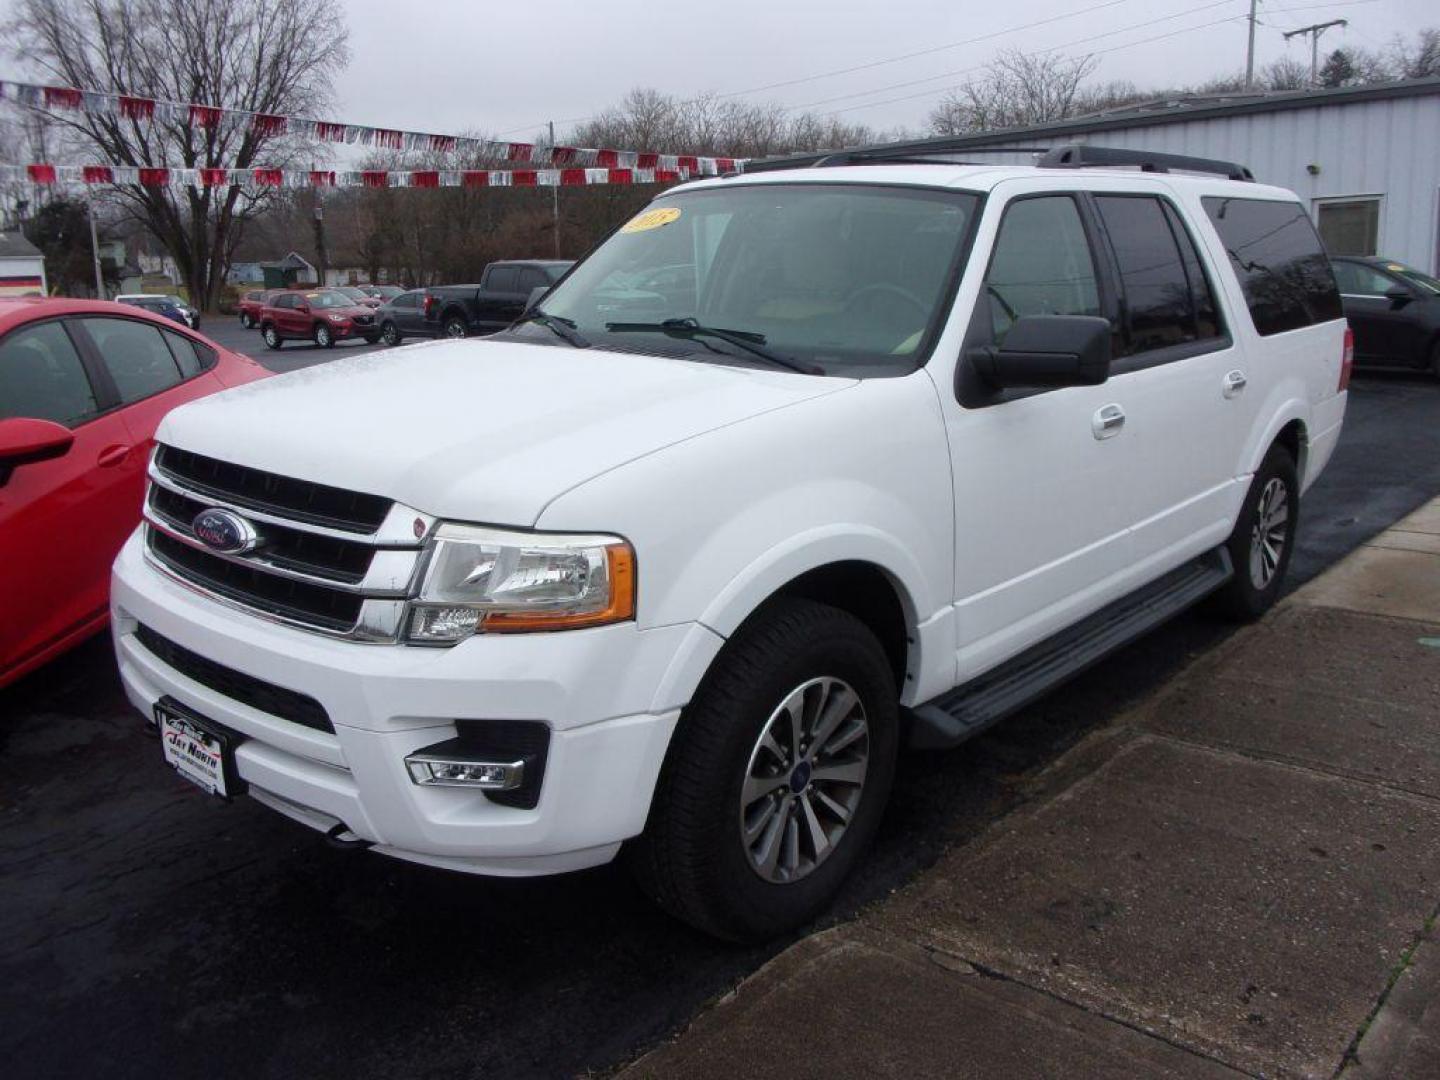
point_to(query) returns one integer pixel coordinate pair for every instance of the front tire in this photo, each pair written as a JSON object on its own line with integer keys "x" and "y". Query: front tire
{"x": 777, "y": 775}
{"x": 271, "y": 336}
{"x": 390, "y": 334}
{"x": 323, "y": 337}
{"x": 1263, "y": 540}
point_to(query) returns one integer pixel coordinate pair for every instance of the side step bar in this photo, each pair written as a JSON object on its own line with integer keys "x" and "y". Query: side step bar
{"x": 964, "y": 712}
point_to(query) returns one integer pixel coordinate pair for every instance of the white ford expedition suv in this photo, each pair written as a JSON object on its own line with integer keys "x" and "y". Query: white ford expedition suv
{"x": 798, "y": 467}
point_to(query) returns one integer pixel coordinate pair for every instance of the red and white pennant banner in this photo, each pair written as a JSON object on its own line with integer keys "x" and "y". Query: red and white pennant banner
{"x": 147, "y": 109}
{"x": 311, "y": 178}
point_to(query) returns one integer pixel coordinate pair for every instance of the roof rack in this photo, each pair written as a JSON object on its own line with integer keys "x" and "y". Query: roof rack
{"x": 926, "y": 151}
{"x": 1083, "y": 156}
{"x": 906, "y": 153}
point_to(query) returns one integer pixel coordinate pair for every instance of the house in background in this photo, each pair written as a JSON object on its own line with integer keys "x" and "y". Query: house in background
{"x": 22, "y": 267}
{"x": 292, "y": 270}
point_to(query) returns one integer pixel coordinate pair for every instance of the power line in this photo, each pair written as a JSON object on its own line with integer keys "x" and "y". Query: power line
{"x": 1099, "y": 52}
{"x": 875, "y": 63}
{"x": 969, "y": 70}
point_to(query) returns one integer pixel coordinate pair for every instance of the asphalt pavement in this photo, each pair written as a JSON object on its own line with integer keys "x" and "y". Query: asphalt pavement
{"x": 152, "y": 931}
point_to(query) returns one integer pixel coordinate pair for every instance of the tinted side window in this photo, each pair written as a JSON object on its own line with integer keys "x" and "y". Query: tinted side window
{"x": 41, "y": 376}
{"x": 1277, "y": 256}
{"x": 405, "y": 300}
{"x": 1042, "y": 264}
{"x": 530, "y": 278}
{"x": 136, "y": 356}
{"x": 1153, "y": 283}
{"x": 1207, "y": 315}
{"x": 503, "y": 279}
{"x": 286, "y": 301}
{"x": 192, "y": 356}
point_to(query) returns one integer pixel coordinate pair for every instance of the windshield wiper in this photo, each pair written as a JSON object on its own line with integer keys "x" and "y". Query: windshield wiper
{"x": 561, "y": 327}
{"x": 688, "y": 328}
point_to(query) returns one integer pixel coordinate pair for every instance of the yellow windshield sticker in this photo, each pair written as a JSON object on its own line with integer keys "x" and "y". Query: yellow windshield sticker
{"x": 1395, "y": 268}
{"x": 652, "y": 219}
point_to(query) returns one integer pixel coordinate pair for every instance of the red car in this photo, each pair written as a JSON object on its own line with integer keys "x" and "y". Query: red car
{"x": 83, "y": 385}
{"x": 323, "y": 316}
{"x": 251, "y": 304}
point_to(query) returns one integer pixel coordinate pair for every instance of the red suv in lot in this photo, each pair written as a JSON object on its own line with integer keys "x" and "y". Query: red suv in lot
{"x": 83, "y": 385}
{"x": 323, "y": 316}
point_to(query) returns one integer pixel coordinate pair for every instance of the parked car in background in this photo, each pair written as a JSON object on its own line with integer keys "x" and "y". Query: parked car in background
{"x": 383, "y": 293}
{"x": 1394, "y": 311}
{"x": 359, "y": 295}
{"x": 323, "y": 316}
{"x": 500, "y": 298}
{"x": 251, "y": 304}
{"x": 83, "y": 385}
{"x": 404, "y": 316}
{"x": 163, "y": 304}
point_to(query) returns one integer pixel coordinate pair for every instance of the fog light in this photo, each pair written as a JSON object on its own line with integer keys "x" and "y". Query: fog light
{"x": 443, "y": 623}
{"x": 482, "y": 775}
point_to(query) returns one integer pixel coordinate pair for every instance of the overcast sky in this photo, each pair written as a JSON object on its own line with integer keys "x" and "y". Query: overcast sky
{"x": 506, "y": 68}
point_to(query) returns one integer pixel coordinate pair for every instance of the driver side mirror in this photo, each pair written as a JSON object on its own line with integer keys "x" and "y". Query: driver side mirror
{"x": 1047, "y": 351}
{"x": 24, "y": 441}
{"x": 1398, "y": 295}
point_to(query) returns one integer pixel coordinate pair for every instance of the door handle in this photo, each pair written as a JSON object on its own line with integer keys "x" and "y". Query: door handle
{"x": 1107, "y": 421}
{"x": 112, "y": 455}
{"x": 1234, "y": 382}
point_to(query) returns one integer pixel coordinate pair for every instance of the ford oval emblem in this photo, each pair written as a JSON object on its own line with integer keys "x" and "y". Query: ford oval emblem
{"x": 224, "y": 531}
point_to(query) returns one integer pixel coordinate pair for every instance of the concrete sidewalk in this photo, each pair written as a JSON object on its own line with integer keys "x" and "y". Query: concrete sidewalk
{"x": 1241, "y": 876}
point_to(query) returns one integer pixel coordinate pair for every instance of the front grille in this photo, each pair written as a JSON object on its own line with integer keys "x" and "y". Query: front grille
{"x": 260, "y": 695}
{"x": 294, "y": 549}
{"x": 303, "y": 500}
{"x": 363, "y": 320}
{"x": 325, "y": 559}
{"x": 300, "y": 601}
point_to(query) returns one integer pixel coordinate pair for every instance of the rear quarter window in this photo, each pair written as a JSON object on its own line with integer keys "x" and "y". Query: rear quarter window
{"x": 1276, "y": 253}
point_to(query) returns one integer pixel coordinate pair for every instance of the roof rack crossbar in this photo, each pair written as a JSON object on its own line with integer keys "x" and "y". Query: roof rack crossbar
{"x": 895, "y": 153}
{"x": 1083, "y": 156}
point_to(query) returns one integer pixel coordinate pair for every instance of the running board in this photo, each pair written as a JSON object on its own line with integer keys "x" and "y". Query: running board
{"x": 964, "y": 712}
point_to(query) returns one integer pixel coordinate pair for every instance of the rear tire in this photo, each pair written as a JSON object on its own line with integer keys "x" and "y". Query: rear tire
{"x": 246, "y": 321}
{"x": 1263, "y": 540}
{"x": 755, "y": 822}
{"x": 455, "y": 327}
{"x": 271, "y": 336}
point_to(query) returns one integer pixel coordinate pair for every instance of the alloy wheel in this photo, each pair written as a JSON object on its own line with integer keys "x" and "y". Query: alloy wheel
{"x": 1270, "y": 532}
{"x": 804, "y": 780}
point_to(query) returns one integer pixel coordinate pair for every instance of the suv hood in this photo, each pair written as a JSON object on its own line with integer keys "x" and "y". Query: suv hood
{"x": 477, "y": 430}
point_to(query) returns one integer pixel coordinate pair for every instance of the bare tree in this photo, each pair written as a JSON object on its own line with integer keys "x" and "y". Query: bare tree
{"x": 1017, "y": 89}
{"x": 1419, "y": 60}
{"x": 254, "y": 55}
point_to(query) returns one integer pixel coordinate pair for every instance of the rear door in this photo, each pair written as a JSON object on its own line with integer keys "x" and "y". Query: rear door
{"x": 1184, "y": 379}
{"x": 61, "y": 521}
{"x": 405, "y": 311}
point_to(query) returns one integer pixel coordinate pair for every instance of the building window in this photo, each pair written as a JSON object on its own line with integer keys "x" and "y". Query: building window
{"x": 1350, "y": 226}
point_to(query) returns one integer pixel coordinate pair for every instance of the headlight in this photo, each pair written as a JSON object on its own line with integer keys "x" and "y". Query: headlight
{"x": 337, "y": 318}
{"x": 489, "y": 580}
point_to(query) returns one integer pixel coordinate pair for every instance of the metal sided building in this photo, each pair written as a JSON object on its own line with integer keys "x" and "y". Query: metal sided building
{"x": 1364, "y": 159}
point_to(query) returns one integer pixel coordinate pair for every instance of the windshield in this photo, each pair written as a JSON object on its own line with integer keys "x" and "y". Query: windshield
{"x": 355, "y": 294}
{"x": 1424, "y": 282}
{"x": 328, "y": 300}
{"x": 844, "y": 277}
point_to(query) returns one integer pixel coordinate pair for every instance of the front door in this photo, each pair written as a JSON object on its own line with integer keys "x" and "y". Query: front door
{"x": 1041, "y": 477}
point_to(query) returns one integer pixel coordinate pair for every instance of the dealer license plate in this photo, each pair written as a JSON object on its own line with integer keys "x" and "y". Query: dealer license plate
{"x": 196, "y": 751}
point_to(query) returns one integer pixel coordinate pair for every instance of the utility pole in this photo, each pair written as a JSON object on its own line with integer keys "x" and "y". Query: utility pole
{"x": 95, "y": 250}
{"x": 1250, "y": 50}
{"x": 554, "y": 195}
{"x": 1315, "y": 32}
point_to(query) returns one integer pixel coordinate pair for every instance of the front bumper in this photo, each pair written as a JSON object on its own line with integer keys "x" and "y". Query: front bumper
{"x": 597, "y": 691}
